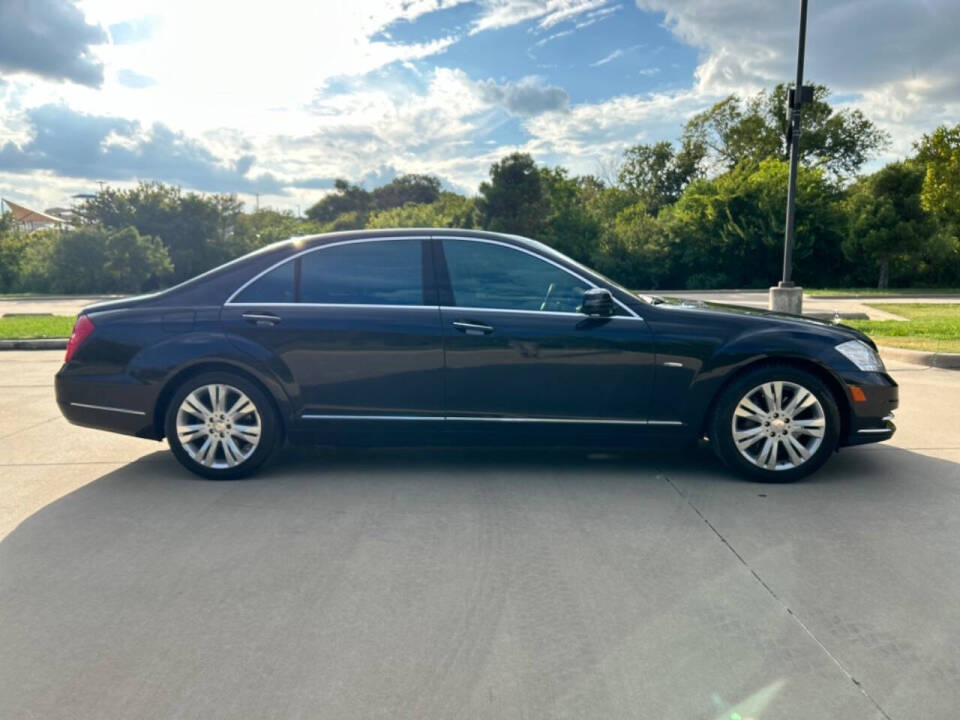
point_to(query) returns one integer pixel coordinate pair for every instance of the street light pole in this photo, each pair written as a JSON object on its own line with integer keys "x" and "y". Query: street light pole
{"x": 786, "y": 297}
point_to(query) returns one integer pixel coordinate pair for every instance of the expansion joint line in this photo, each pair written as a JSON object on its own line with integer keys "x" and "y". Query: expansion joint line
{"x": 776, "y": 597}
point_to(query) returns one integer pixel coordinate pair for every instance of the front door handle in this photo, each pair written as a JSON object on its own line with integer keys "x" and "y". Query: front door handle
{"x": 472, "y": 328}
{"x": 261, "y": 319}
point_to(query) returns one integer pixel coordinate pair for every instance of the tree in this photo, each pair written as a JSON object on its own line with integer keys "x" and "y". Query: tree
{"x": 197, "y": 230}
{"x": 887, "y": 222}
{"x": 513, "y": 200}
{"x": 657, "y": 174}
{"x": 95, "y": 259}
{"x": 449, "y": 210}
{"x": 734, "y": 129}
{"x": 405, "y": 189}
{"x": 940, "y": 151}
{"x": 12, "y": 246}
{"x": 263, "y": 227}
{"x": 134, "y": 262}
{"x": 728, "y": 232}
{"x": 569, "y": 226}
{"x": 345, "y": 198}
{"x": 634, "y": 251}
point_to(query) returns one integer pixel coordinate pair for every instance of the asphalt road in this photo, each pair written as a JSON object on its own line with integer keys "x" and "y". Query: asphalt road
{"x": 480, "y": 584}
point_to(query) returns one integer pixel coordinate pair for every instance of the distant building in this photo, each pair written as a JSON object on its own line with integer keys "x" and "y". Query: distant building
{"x": 66, "y": 214}
{"x": 30, "y": 220}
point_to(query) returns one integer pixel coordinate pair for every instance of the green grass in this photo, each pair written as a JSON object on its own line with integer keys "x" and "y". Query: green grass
{"x": 874, "y": 292}
{"x": 26, "y": 327}
{"x": 932, "y": 327}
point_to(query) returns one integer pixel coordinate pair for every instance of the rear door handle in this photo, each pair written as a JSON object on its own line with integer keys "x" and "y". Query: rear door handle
{"x": 261, "y": 319}
{"x": 472, "y": 328}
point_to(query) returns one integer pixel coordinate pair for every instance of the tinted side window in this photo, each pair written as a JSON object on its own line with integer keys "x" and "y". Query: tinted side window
{"x": 274, "y": 287}
{"x": 365, "y": 273}
{"x": 485, "y": 275}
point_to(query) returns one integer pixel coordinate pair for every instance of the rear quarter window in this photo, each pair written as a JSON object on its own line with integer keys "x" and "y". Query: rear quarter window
{"x": 277, "y": 286}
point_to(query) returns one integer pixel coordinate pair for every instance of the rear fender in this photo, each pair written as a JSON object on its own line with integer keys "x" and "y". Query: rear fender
{"x": 166, "y": 364}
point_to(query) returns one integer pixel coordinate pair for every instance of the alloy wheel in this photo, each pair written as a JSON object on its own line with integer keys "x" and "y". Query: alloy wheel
{"x": 218, "y": 426}
{"x": 778, "y": 425}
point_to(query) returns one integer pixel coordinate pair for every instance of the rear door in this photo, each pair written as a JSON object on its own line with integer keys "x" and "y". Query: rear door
{"x": 352, "y": 328}
{"x": 518, "y": 349}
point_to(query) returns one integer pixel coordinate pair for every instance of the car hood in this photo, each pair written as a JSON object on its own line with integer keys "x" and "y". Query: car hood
{"x": 767, "y": 316}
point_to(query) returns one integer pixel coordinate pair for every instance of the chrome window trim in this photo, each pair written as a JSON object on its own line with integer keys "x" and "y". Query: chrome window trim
{"x": 110, "y": 409}
{"x": 336, "y": 305}
{"x": 229, "y": 301}
{"x": 429, "y": 307}
{"x": 259, "y": 275}
{"x": 539, "y": 257}
{"x": 470, "y": 418}
{"x": 309, "y": 416}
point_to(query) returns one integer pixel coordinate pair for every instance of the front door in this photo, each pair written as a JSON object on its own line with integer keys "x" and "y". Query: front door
{"x": 518, "y": 349}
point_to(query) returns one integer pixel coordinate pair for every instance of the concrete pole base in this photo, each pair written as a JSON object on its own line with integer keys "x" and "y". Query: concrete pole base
{"x": 786, "y": 299}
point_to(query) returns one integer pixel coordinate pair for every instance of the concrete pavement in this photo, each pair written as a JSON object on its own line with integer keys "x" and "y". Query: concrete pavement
{"x": 476, "y": 584}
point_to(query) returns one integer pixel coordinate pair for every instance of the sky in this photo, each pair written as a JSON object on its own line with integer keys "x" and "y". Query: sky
{"x": 278, "y": 99}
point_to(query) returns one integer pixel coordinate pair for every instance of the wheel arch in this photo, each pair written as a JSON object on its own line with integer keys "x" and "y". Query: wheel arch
{"x": 833, "y": 384}
{"x": 204, "y": 366}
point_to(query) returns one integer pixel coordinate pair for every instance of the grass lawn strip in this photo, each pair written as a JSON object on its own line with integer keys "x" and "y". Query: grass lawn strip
{"x": 29, "y": 327}
{"x": 934, "y": 327}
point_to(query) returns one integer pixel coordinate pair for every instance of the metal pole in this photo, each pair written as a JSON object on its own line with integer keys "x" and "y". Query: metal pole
{"x": 794, "y": 152}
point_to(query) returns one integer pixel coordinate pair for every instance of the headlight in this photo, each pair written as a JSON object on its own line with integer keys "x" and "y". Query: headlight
{"x": 861, "y": 355}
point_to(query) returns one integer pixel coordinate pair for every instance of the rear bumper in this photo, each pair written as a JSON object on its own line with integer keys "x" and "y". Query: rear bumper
{"x": 870, "y": 419}
{"x": 116, "y": 405}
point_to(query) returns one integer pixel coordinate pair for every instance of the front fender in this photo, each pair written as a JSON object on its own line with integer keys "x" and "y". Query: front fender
{"x": 749, "y": 348}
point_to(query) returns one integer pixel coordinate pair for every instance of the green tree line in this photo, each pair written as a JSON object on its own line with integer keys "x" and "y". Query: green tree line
{"x": 706, "y": 211}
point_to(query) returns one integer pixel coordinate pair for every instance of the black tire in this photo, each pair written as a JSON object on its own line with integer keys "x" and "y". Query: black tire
{"x": 722, "y": 425}
{"x": 269, "y": 436}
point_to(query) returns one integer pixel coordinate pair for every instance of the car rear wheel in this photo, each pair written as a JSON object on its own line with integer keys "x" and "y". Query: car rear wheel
{"x": 221, "y": 426}
{"x": 776, "y": 424}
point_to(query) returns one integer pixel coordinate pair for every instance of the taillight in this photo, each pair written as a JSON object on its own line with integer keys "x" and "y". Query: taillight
{"x": 81, "y": 331}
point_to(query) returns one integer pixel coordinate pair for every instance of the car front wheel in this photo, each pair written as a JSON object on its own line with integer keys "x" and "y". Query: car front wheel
{"x": 776, "y": 424}
{"x": 221, "y": 426}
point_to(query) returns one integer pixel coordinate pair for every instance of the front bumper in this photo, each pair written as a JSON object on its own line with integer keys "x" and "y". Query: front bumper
{"x": 870, "y": 418}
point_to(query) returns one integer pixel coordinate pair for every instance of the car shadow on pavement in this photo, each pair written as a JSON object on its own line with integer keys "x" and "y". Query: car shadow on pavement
{"x": 149, "y": 585}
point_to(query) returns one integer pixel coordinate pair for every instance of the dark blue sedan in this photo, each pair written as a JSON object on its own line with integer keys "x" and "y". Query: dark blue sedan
{"x": 453, "y": 336}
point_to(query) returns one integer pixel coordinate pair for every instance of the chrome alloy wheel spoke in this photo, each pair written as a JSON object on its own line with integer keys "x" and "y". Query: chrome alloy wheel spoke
{"x": 778, "y": 425}
{"x": 218, "y": 426}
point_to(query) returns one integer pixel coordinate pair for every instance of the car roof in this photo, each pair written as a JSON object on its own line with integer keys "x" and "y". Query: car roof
{"x": 305, "y": 241}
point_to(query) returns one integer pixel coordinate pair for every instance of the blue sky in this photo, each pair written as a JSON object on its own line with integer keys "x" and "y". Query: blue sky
{"x": 280, "y": 99}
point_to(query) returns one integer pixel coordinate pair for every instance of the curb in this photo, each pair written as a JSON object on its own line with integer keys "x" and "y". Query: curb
{"x": 834, "y": 315}
{"x": 948, "y": 361}
{"x": 35, "y": 344}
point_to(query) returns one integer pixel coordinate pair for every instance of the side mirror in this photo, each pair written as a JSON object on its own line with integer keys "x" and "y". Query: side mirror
{"x": 597, "y": 301}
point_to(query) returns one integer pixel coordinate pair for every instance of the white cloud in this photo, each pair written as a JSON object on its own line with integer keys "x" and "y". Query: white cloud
{"x": 268, "y": 83}
{"x": 618, "y": 53}
{"x": 591, "y": 133}
{"x": 504, "y": 13}
{"x": 900, "y": 56}
{"x": 528, "y": 97}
